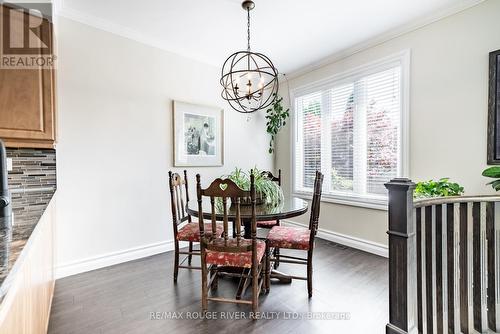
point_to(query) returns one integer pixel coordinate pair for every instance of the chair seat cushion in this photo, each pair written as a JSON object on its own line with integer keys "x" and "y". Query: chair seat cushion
{"x": 191, "y": 231}
{"x": 267, "y": 223}
{"x": 289, "y": 237}
{"x": 230, "y": 259}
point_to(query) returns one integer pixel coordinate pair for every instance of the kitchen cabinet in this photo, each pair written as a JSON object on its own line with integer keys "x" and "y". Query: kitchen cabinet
{"x": 27, "y": 96}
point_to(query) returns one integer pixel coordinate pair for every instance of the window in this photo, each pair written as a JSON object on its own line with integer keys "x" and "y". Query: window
{"x": 352, "y": 128}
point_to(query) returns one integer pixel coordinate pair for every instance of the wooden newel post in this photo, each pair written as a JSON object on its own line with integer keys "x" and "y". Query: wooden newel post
{"x": 402, "y": 258}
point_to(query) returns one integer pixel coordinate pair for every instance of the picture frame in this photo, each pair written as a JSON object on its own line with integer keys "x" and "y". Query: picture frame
{"x": 198, "y": 132}
{"x": 494, "y": 109}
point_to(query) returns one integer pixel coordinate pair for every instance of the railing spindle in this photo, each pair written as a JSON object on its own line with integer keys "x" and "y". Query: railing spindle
{"x": 493, "y": 266}
{"x": 438, "y": 218}
{"x": 418, "y": 215}
{"x": 464, "y": 285}
{"x": 450, "y": 265}
{"x": 478, "y": 268}
{"x": 429, "y": 277}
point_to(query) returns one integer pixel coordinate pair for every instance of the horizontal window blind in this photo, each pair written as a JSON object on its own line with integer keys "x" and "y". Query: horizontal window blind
{"x": 310, "y": 137}
{"x": 351, "y": 131}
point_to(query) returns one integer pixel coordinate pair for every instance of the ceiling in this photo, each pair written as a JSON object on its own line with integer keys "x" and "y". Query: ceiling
{"x": 294, "y": 34}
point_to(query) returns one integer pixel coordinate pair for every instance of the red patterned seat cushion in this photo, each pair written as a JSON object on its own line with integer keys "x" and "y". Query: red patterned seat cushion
{"x": 242, "y": 259}
{"x": 191, "y": 231}
{"x": 289, "y": 237}
{"x": 267, "y": 223}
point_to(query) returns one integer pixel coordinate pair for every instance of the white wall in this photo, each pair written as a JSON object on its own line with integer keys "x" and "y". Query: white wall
{"x": 448, "y": 109}
{"x": 115, "y": 144}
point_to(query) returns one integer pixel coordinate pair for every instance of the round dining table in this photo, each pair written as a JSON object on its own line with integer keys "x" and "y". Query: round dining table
{"x": 289, "y": 207}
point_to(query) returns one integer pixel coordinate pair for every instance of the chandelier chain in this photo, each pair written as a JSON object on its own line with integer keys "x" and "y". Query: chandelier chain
{"x": 248, "y": 28}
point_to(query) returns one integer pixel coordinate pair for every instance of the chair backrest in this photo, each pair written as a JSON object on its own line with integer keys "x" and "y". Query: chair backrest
{"x": 220, "y": 191}
{"x": 179, "y": 198}
{"x": 315, "y": 206}
{"x": 270, "y": 176}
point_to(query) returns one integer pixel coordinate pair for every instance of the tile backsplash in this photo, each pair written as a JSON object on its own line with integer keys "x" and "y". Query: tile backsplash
{"x": 32, "y": 180}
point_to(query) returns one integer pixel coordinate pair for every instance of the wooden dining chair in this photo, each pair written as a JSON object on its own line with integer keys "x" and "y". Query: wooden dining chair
{"x": 184, "y": 228}
{"x": 268, "y": 224}
{"x": 219, "y": 254}
{"x": 300, "y": 238}
{"x": 277, "y": 179}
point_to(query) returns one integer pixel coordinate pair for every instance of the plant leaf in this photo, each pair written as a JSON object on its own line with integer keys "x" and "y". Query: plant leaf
{"x": 492, "y": 172}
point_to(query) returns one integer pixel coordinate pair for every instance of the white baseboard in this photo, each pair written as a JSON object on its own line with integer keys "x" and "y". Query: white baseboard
{"x": 347, "y": 240}
{"x": 92, "y": 263}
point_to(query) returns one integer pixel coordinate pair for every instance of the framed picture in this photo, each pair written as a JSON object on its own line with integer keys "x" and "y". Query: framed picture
{"x": 198, "y": 135}
{"x": 494, "y": 110}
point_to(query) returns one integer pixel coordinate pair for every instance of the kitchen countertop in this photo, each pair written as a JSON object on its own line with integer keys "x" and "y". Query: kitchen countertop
{"x": 13, "y": 240}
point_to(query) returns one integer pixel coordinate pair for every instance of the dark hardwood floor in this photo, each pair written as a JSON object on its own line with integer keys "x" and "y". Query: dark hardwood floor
{"x": 120, "y": 299}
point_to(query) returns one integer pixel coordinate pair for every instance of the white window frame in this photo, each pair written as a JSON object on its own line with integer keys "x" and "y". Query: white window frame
{"x": 401, "y": 58}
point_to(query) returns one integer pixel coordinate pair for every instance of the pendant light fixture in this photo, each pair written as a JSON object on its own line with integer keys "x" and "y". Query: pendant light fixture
{"x": 249, "y": 79}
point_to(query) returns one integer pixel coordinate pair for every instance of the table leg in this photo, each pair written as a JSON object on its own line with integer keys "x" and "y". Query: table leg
{"x": 281, "y": 277}
{"x": 247, "y": 229}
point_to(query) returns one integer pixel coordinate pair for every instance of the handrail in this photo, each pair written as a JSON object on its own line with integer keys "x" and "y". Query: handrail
{"x": 419, "y": 203}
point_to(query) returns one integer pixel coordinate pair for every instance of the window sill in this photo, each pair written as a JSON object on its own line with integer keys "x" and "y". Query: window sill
{"x": 362, "y": 202}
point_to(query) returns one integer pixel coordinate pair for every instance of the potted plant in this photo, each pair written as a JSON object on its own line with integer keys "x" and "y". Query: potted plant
{"x": 493, "y": 172}
{"x": 276, "y": 119}
{"x": 441, "y": 188}
{"x": 267, "y": 191}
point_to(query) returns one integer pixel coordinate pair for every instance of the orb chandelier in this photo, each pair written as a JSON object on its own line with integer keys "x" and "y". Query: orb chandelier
{"x": 249, "y": 79}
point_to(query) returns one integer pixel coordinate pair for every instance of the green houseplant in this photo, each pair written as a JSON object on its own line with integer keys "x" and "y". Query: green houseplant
{"x": 494, "y": 173}
{"x": 441, "y": 188}
{"x": 276, "y": 119}
{"x": 267, "y": 191}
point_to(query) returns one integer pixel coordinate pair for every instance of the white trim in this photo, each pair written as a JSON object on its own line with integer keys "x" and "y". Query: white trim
{"x": 347, "y": 240}
{"x": 362, "y": 202}
{"x": 405, "y": 113}
{"x": 403, "y": 59}
{"x": 384, "y": 37}
{"x": 101, "y": 261}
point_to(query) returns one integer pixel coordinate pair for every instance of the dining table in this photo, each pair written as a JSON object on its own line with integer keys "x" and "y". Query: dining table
{"x": 288, "y": 207}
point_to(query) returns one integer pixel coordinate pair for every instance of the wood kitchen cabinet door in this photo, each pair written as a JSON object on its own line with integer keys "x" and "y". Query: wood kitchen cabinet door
{"x": 27, "y": 106}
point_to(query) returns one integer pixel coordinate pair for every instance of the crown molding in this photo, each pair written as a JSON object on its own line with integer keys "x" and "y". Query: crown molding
{"x": 62, "y": 10}
{"x": 384, "y": 37}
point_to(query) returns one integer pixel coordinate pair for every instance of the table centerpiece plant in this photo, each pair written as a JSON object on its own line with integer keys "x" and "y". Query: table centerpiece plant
{"x": 267, "y": 191}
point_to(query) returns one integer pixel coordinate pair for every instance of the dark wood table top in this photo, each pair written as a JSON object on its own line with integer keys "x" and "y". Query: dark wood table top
{"x": 290, "y": 207}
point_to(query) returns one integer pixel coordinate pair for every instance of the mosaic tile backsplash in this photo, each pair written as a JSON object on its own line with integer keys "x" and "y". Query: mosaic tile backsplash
{"x": 32, "y": 181}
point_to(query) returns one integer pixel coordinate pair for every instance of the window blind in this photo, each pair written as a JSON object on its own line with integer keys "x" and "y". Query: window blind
{"x": 350, "y": 129}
